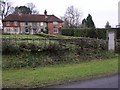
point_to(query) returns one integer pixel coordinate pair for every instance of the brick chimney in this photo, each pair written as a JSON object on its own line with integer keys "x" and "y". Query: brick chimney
{"x": 45, "y": 13}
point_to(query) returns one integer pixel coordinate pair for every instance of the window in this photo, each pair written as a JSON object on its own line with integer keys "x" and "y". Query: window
{"x": 26, "y": 23}
{"x": 16, "y": 30}
{"x": 41, "y": 24}
{"x": 26, "y": 29}
{"x": 15, "y": 23}
{"x": 8, "y": 23}
{"x": 7, "y": 30}
{"x": 55, "y": 30}
{"x": 55, "y": 23}
{"x": 42, "y": 30}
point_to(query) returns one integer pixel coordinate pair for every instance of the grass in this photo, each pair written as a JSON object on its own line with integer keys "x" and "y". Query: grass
{"x": 23, "y": 36}
{"x": 20, "y": 36}
{"x": 38, "y": 77}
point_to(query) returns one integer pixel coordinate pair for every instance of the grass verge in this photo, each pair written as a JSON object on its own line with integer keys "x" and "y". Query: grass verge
{"x": 39, "y": 77}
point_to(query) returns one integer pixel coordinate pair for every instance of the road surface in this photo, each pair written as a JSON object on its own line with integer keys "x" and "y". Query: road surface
{"x": 103, "y": 82}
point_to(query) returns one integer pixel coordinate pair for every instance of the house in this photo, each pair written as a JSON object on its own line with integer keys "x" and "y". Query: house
{"x": 32, "y": 24}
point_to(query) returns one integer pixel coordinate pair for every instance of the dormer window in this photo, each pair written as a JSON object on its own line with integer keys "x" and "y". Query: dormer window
{"x": 8, "y": 23}
{"x": 15, "y": 23}
{"x": 55, "y": 23}
{"x": 41, "y": 24}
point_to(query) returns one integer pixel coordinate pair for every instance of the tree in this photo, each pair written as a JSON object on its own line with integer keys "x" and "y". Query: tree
{"x": 22, "y": 10}
{"x": 89, "y": 22}
{"x": 6, "y": 8}
{"x": 107, "y": 25}
{"x": 32, "y": 8}
{"x": 72, "y": 17}
{"x": 84, "y": 23}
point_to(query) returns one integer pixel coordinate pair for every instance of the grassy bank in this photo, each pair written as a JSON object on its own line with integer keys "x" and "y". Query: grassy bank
{"x": 38, "y": 77}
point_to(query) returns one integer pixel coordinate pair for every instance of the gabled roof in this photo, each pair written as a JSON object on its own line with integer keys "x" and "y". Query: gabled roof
{"x": 32, "y": 18}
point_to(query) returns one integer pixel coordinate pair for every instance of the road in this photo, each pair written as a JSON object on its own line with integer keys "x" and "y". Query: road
{"x": 103, "y": 82}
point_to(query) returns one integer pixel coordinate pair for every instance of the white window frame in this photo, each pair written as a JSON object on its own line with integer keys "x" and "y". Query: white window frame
{"x": 7, "y": 30}
{"x": 15, "y": 30}
{"x": 55, "y": 23}
{"x": 8, "y": 23}
{"x": 41, "y": 24}
{"x": 55, "y": 30}
{"x": 15, "y": 23}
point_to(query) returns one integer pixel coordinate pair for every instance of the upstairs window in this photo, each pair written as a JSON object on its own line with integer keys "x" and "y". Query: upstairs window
{"x": 55, "y": 23}
{"x": 8, "y": 23}
{"x": 41, "y": 24}
{"x": 15, "y": 23}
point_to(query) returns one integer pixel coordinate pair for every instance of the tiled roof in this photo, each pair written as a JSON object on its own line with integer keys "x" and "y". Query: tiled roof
{"x": 32, "y": 18}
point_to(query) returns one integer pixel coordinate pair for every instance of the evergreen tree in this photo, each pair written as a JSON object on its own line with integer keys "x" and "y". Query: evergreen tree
{"x": 84, "y": 23}
{"x": 89, "y": 22}
{"x": 107, "y": 25}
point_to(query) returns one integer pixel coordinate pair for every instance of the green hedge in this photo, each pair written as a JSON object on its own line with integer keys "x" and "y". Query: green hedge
{"x": 92, "y": 33}
{"x": 118, "y": 33}
{"x": 17, "y": 55}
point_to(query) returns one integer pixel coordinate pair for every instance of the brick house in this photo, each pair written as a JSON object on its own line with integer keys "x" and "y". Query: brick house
{"x": 28, "y": 23}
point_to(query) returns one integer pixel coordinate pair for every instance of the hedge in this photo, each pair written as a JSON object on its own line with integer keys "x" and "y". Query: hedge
{"x": 118, "y": 33}
{"x": 92, "y": 33}
{"x": 17, "y": 55}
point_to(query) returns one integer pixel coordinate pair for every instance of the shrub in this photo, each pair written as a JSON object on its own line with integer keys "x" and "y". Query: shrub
{"x": 33, "y": 47}
{"x": 89, "y": 32}
{"x": 66, "y": 51}
{"x": 117, "y": 47}
{"x": 118, "y": 33}
{"x": 23, "y": 46}
{"x": 9, "y": 47}
{"x": 101, "y": 33}
{"x": 68, "y": 32}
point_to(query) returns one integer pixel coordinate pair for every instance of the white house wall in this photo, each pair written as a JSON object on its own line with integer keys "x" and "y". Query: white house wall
{"x": 38, "y": 26}
{"x": 22, "y": 27}
{"x": 12, "y": 30}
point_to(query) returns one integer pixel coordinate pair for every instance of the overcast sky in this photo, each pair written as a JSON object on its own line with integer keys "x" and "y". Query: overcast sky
{"x": 101, "y": 10}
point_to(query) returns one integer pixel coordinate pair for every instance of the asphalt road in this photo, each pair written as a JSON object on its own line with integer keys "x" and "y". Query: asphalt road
{"x": 103, "y": 82}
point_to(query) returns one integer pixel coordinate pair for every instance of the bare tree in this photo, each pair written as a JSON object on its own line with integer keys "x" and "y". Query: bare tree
{"x": 32, "y": 8}
{"x": 6, "y": 8}
{"x": 72, "y": 17}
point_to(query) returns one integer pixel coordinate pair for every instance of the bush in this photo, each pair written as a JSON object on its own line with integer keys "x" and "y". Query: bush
{"x": 66, "y": 51}
{"x": 101, "y": 33}
{"x": 118, "y": 33}
{"x": 9, "y": 47}
{"x": 23, "y": 47}
{"x": 68, "y": 32}
{"x": 117, "y": 47}
{"x": 92, "y": 33}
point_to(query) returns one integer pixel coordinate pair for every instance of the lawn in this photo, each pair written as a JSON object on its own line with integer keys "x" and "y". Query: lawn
{"x": 20, "y": 36}
{"x": 41, "y": 76}
{"x": 37, "y": 39}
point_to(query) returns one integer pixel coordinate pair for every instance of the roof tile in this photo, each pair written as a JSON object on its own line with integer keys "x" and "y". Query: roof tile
{"x": 32, "y": 18}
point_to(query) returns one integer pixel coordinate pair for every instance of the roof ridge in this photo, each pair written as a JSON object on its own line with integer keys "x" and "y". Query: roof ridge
{"x": 31, "y": 17}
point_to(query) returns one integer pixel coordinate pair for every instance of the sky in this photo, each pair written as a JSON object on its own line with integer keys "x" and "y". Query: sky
{"x": 101, "y": 10}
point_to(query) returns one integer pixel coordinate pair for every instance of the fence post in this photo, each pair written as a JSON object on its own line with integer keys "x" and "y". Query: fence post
{"x": 111, "y": 35}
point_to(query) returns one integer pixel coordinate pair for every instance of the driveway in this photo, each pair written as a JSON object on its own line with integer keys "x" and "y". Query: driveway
{"x": 103, "y": 82}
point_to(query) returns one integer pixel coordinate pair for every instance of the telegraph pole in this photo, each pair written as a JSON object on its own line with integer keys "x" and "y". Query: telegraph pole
{"x": 119, "y": 13}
